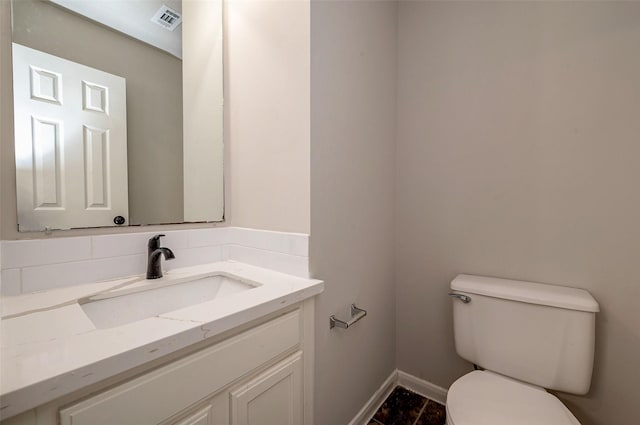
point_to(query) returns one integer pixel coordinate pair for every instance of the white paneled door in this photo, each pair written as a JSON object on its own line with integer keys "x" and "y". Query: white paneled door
{"x": 71, "y": 143}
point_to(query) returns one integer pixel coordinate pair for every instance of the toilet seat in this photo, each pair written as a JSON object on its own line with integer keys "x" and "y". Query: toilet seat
{"x": 486, "y": 398}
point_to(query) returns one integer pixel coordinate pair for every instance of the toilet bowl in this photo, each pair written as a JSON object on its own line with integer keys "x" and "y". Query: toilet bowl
{"x": 527, "y": 337}
{"x": 486, "y": 398}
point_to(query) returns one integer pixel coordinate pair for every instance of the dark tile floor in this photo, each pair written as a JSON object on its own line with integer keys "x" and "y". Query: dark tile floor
{"x": 404, "y": 407}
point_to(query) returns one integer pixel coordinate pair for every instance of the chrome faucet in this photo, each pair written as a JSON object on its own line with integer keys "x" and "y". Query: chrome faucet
{"x": 154, "y": 257}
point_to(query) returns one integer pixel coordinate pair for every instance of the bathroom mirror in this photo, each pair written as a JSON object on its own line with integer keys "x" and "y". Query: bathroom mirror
{"x": 118, "y": 110}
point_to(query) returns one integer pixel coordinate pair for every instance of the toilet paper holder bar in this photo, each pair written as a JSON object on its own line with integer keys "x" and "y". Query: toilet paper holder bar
{"x": 356, "y": 314}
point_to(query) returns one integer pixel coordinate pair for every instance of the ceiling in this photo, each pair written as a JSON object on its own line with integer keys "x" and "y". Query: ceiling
{"x": 132, "y": 17}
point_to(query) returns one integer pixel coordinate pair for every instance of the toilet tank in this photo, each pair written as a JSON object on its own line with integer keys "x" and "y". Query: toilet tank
{"x": 536, "y": 333}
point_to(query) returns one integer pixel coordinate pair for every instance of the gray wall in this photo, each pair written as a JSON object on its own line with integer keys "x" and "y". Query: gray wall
{"x": 154, "y": 101}
{"x": 517, "y": 156}
{"x": 353, "y": 55}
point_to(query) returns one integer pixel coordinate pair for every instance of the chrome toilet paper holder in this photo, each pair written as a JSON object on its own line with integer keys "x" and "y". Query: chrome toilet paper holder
{"x": 356, "y": 315}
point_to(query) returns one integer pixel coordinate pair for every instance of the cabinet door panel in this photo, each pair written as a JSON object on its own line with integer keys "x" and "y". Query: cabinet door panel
{"x": 201, "y": 417}
{"x": 273, "y": 398}
{"x": 214, "y": 411}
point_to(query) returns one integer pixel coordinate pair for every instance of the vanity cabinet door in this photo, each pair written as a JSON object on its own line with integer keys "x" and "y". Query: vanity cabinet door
{"x": 202, "y": 416}
{"x": 214, "y": 411}
{"x": 274, "y": 397}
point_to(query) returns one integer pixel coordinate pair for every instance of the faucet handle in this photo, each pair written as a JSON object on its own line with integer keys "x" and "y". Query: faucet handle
{"x": 154, "y": 242}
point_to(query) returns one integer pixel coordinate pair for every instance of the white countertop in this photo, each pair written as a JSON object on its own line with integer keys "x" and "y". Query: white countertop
{"x": 50, "y": 348}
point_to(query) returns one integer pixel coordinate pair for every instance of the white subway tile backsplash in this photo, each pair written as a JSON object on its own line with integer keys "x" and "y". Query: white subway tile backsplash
{"x": 117, "y": 245}
{"x": 298, "y": 245}
{"x": 225, "y": 252}
{"x": 285, "y": 263}
{"x": 193, "y": 256}
{"x": 36, "y": 265}
{"x": 134, "y": 243}
{"x": 173, "y": 239}
{"x": 10, "y": 282}
{"x": 44, "y": 251}
{"x": 286, "y": 243}
{"x": 209, "y": 237}
{"x": 51, "y": 276}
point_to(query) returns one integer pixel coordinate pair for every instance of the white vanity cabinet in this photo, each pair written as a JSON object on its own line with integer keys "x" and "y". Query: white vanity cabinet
{"x": 260, "y": 376}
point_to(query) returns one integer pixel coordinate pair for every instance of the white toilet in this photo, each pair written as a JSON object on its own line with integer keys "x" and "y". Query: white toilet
{"x": 525, "y": 337}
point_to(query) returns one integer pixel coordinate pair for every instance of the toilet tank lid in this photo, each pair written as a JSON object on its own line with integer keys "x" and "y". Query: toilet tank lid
{"x": 527, "y": 292}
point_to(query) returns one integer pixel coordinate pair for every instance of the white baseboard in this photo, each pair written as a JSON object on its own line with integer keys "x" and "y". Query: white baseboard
{"x": 398, "y": 377}
{"x": 372, "y": 405}
{"x": 422, "y": 387}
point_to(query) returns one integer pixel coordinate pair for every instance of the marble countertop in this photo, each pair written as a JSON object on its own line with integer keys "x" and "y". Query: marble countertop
{"x": 50, "y": 348}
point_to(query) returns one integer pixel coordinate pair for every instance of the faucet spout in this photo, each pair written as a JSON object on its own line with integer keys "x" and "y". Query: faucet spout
{"x": 154, "y": 264}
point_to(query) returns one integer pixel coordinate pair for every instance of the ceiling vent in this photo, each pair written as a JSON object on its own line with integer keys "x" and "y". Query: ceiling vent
{"x": 167, "y": 18}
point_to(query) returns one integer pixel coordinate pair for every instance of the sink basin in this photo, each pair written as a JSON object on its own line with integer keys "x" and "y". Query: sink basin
{"x": 152, "y": 298}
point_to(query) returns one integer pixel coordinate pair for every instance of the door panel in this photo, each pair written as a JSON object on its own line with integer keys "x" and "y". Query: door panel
{"x": 47, "y": 163}
{"x": 96, "y": 163}
{"x": 71, "y": 143}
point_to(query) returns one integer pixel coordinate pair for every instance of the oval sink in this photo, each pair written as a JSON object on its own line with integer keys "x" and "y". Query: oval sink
{"x": 153, "y": 298}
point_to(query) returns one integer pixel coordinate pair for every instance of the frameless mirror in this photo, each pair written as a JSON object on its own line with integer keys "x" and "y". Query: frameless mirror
{"x": 118, "y": 112}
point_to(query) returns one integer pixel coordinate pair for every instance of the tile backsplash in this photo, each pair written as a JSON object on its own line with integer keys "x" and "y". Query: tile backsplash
{"x": 36, "y": 265}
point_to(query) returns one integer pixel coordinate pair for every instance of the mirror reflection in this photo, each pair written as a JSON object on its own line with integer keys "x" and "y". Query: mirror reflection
{"x": 118, "y": 112}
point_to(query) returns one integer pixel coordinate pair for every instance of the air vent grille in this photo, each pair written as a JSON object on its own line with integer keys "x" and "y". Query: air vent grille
{"x": 167, "y": 18}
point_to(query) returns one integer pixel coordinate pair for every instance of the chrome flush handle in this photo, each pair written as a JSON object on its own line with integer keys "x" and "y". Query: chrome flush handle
{"x": 464, "y": 298}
